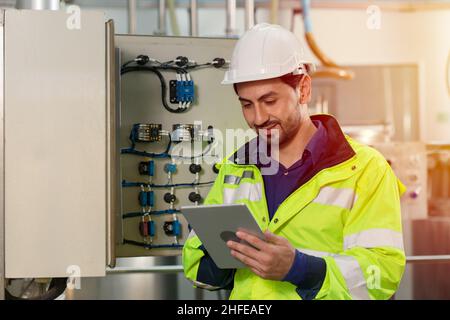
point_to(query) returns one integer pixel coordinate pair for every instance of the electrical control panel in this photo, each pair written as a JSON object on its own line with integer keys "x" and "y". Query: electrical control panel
{"x": 170, "y": 99}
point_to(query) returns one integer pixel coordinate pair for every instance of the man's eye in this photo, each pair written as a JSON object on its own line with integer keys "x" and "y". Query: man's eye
{"x": 247, "y": 105}
{"x": 270, "y": 102}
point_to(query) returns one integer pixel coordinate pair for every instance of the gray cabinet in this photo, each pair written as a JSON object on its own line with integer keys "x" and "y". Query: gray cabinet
{"x": 55, "y": 144}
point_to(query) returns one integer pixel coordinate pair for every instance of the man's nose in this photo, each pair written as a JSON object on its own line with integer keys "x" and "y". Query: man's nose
{"x": 261, "y": 116}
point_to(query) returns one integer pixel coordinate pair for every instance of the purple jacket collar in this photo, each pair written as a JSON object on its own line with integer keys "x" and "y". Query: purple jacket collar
{"x": 336, "y": 150}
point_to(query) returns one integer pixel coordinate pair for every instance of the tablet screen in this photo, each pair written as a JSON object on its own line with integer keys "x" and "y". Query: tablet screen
{"x": 217, "y": 224}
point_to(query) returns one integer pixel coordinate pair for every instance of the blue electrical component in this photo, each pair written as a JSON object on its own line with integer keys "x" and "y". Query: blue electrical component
{"x": 151, "y": 168}
{"x": 176, "y": 228}
{"x": 143, "y": 198}
{"x": 185, "y": 91}
{"x": 170, "y": 167}
{"x": 172, "y": 228}
{"x": 147, "y": 168}
{"x": 150, "y": 198}
{"x": 147, "y": 198}
{"x": 151, "y": 228}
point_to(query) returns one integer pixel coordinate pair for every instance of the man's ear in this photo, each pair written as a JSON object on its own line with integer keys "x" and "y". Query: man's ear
{"x": 305, "y": 89}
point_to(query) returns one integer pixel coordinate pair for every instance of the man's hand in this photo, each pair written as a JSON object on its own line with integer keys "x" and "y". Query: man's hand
{"x": 272, "y": 259}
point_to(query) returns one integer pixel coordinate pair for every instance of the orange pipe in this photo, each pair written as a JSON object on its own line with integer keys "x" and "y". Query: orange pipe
{"x": 336, "y": 73}
{"x": 317, "y": 52}
{"x": 331, "y": 68}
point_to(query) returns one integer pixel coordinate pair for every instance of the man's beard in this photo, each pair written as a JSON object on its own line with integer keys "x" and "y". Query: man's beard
{"x": 269, "y": 135}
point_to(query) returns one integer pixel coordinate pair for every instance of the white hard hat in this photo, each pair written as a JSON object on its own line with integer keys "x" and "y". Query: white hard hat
{"x": 266, "y": 51}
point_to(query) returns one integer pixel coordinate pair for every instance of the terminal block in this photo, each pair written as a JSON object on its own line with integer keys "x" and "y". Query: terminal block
{"x": 186, "y": 132}
{"x": 181, "y": 91}
{"x": 146, "y": 132}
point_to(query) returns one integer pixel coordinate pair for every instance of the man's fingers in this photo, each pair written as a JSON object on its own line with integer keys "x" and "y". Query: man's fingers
{"x": 253, "y": 240}
{"x": 251, "y": 263}
{"x": 270, "y": 237}
{"x": 258, "y": 272}
{"x": 244, "y": 249}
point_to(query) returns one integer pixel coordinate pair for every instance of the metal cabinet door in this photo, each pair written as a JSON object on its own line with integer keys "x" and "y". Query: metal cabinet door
{"x": 56, "y": 148}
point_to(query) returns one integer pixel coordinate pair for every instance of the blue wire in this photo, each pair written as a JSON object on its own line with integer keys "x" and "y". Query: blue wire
{"x": 152, "y": 246}
{"x": 145, "y": 154}
{"x": 131, "y": 150}
{"x": 163, "y": 155}
{"x": 140, "y": 214}
{"x": 126, "y": 184}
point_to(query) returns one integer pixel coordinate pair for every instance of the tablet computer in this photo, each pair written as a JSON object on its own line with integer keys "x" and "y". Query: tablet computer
{"x": 216, "y": 224}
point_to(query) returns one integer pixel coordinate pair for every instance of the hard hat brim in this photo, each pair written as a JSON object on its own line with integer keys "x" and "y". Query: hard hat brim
{"x": 229, "y": 79}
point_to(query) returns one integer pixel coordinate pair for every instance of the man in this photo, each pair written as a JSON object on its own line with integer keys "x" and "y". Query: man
{"x": 331, "y": 213}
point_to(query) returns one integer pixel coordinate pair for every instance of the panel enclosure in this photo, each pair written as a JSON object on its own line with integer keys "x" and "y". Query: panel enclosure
{"x": 214, "y": 104}
{"x": 55, "y": 144}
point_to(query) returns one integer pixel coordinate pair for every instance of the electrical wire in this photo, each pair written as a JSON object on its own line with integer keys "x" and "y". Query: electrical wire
{"x": 151, "y": 246}
{"x": 204, "y": 153}
{"x": 171, "y": 65}
{"x": 142, "y": 65}
{"x": 141, "y": 214}
{"x": 127, "y": 184}
{"x": 195, "y": 66}
{"x": 128, "y": 69}
{"x": 144, "y": 153}
{"x": 164, "y": 154}
{"x": 132, "y": 150}
{"x": 143, "y": 60}
{"x": 127, "y": 63}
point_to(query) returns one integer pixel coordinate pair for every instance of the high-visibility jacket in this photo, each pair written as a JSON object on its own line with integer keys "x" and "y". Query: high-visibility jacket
{"x": 347, "y": 213}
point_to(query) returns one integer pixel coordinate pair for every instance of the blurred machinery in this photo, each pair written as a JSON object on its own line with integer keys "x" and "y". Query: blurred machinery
{"x": 409, "y": 162}
{"x": 439, "y": 179}
{"x": 387, "y": 121}
{"x": 432, "y": 235}
{"x": 382, "y": 104}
